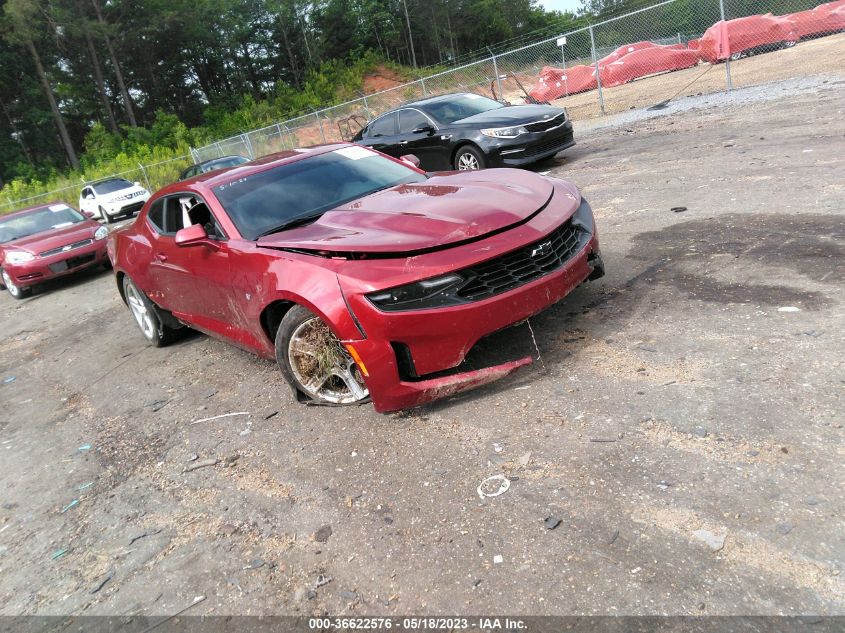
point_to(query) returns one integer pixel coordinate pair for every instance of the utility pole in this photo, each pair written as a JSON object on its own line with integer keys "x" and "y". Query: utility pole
{"x": 410, "y": 35}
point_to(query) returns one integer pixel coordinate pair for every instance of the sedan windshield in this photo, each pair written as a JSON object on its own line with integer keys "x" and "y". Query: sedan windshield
{"x": 110, "y": 186}
{"x": 37, "y": 221}
{"x": 272, "y": 200}
{"x": 460, "y": 107}
{"x": 220, "y": 163}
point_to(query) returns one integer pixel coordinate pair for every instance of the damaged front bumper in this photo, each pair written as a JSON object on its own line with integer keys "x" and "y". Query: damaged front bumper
{"x": 409, "y": 358}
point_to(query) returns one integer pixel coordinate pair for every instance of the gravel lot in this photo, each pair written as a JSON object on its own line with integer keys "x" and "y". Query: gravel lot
{"x": 682, "y": 424}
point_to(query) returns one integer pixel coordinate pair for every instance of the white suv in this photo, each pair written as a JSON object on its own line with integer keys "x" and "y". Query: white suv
{"x": 112, "y": 198}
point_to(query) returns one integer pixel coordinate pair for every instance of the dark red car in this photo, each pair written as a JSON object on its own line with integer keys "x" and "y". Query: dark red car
{"x": 47, "y": 241}
{"x": 360, "y": 274}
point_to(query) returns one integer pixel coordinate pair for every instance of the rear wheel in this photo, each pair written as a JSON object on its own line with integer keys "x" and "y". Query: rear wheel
{"x": 106, "y": 217}
{"x": 789, "y": 43}
{"x": 735, "y": 56}
{"x": 469, "y": 158}
{"x": 16, "y": 291}
{"x": 146, "y": 317}
{"x": 315, "y": 362}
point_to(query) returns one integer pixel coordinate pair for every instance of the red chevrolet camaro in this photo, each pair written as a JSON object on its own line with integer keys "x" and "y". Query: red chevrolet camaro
{"x": 363, "y": 276}
{"x": 47, "y": 241}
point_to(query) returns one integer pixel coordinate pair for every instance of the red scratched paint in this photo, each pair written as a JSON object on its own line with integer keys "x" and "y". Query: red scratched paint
{"x": 223, "y": 291}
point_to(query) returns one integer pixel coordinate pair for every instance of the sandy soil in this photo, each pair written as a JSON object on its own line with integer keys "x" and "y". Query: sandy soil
{"x": 672, "y": 397}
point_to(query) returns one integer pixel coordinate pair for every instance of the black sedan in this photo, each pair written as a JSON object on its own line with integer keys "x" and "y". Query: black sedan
{"x": 467, "y": 131}
{"x": 211, "y": 165}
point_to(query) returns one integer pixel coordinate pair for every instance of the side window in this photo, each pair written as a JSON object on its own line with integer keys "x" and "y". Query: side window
{"x": 86, "y": 192}
{"x": 156, "y": 215}
{"x": 385, "y": 126}
{"x": 176, "y": 213}
{"x": 173, "y": 213}
{"x": 410, "y": 120}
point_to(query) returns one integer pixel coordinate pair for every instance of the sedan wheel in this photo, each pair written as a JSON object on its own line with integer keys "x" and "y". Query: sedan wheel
{"x": 16, "y": 291}
{"x": 145, "y": 315}
{"x": 468, "y": 159}
{"x": 315, "y": 362}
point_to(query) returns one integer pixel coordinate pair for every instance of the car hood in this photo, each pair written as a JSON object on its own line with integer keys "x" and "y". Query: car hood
{"x": 444, "y": 210}
{"x": 510, "y": 115}
{"x": 54, "y": 238}
{"x": 123, "y": 194}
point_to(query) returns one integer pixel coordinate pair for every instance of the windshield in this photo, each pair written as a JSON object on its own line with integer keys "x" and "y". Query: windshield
{"x": 225, "y": 162}
{"x": 55, "y": 216}
{"x": 307, "y": 188}
{"x": 111, "y": 186}
{"x": 461, "y": 107}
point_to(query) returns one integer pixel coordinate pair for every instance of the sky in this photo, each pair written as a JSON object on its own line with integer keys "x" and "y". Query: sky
{"x": 560, "y": 5}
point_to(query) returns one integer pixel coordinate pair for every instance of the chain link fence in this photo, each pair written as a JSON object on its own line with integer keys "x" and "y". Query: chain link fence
{"x": 641, "y": 59}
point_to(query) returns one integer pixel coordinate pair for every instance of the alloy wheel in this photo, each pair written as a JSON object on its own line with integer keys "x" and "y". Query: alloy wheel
{"x": 10, "y": 285}
{"x": 140, "y": 311}
{"x": 322, "y": 367}
{"x": 467, "y": 162}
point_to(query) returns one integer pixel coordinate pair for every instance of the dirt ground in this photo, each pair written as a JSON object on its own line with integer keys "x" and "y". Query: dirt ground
{"x": 382, "y": 78}
{"x": 684, "y": 422}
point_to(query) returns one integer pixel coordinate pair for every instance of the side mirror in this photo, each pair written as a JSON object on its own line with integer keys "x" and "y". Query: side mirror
{"x": 194, "y": 235}
{"x": 411, "y": 160}
{"x": 88, "y": 214}
{"x": 136, "y": 183}
{"x": 424, "y": 129}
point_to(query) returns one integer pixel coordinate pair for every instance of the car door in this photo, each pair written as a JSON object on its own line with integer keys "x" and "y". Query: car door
{"x": 381, "y": 134}
{"x": 193, "y": 282}
{"x": 418, "y": 135}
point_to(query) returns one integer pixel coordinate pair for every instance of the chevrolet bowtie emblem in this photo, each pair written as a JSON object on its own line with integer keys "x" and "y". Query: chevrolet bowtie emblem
{"x": 542, "y": 249}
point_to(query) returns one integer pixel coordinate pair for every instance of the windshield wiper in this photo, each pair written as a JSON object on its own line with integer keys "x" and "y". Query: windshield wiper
{"x": 290, "y": 224}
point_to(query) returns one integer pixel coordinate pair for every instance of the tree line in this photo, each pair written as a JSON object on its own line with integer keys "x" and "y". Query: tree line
{"x": 84, "y": 80}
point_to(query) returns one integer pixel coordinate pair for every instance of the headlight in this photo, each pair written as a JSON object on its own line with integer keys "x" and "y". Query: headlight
{"x": 504, "y": 132}
{"x": 101, "y": 233}
{"x": 19, "y": 257}
{"x": 429, "y": 293}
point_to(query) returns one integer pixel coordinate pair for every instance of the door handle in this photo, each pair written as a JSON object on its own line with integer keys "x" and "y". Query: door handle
{"x": 160, "y": 257}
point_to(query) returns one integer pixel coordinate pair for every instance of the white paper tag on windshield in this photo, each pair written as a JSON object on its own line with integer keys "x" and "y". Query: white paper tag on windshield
{"x": 62, "y": 225}
{"x": 470, "y": 95}
{"x": 355, "y": 153}
{"x": 55, "y": 208}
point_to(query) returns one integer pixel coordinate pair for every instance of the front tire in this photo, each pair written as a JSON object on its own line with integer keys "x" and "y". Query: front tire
{"x": 468, "y": 158}
{"x": 315, "y": 363}
{"x": 106, "y": 217}
{"x": 157, "y": 333}
{"x": 16, "y": 291}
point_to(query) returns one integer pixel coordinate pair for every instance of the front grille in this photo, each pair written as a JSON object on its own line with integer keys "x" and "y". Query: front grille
{"x": 542, "y": 126}
{"x": 128, "y": 196}
{"x": 73, "y": 262}
{"x": 523, "y": 265}
{"x": 548, "y": 145}
{"x": 64, "y": 249}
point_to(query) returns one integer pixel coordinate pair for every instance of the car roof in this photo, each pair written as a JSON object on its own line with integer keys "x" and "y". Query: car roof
{"x": 430, "y": 100}
{"x": 34, "y": 207}
{"x": 222, "y": 176}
